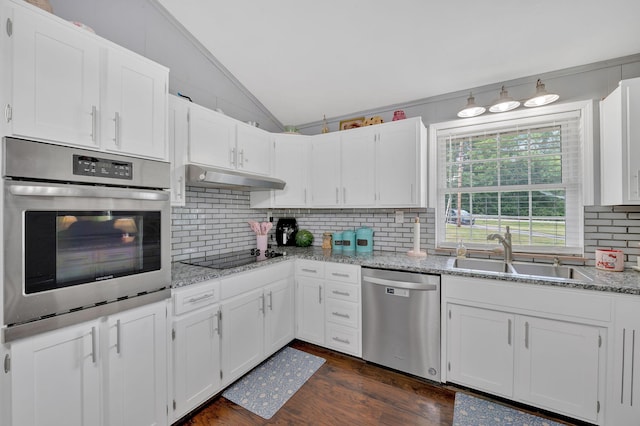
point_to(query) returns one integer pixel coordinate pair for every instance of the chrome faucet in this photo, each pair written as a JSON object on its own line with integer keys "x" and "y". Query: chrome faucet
{"x": 506, "y": 242}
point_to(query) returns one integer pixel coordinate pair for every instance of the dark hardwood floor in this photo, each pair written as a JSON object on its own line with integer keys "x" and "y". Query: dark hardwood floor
{"x": 346, "y": 391}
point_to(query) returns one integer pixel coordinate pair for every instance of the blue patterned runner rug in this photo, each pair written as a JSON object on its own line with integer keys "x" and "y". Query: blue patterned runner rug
{"x": 471, "y": 411}
{"x": 268, "y": 386}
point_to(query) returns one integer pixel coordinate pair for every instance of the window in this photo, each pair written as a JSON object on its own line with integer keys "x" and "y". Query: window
{"x": 525, "y": 172}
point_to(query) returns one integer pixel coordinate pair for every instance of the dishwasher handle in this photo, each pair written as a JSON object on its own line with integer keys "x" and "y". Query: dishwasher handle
{"x": 401, "y": 284}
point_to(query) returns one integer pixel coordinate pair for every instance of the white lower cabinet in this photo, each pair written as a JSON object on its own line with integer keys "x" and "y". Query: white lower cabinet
{"x": 328, "y": 301}
{"x": 136, "y": 364}
{"x": 481, "y": 349}
{"x": 553, "y": 360}
{"x": 67, "y": 376}
{"x": 623, "y": 407}
{"x": 256, "y": 317}
{"x": 196, "y": 346}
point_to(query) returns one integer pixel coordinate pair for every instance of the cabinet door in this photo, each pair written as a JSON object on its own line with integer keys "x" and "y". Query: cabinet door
{"x": 358, "y": 169}
{"x": 397, "y": 164}
{"x": 278, "y": 328}
{"x": 56, "y": 378}
{"x": 212, "y": 138}
{"x": 325, "y": 181}
{"x": 242, "y": 334}
{"x": 310, "y": 314}
{"x": 254, "y": 150}
{"x": 631, "y": 129}
{"x": 557, "y": 365}
{"x": 480, "y": 349}
{"x": 196, "y": 360}
{"x": 291, "y": 160}
{"x": 136, "y": 366}
{"x": 624, "y": 407}
{"x": 135, "y": 105}
{"x": 55, "y": 80}
{"x": 178, "y": 137}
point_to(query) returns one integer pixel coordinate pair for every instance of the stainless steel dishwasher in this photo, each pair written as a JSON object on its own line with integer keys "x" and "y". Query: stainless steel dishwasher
{"x": 401, "y": 321}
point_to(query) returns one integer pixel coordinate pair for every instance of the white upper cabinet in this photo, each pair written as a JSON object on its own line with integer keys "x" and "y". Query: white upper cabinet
{"x": 620, "y": 145}
{"x": 253, "y": 149}
{"x": 291, "y": 159}
{"x": 342, "y": 170}
{"x": 211, "y": 138}
{"x": 66, "y": 85}
{"x": 56, "y": 79}
{"x": 401, "y": 164}
{"x": 220, "y": 141}
{"x": 375, "y": 166}
{"x": 134, "y": 105}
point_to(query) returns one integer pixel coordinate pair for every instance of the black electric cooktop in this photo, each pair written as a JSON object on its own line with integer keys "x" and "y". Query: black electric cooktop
{"x": 231, "y": 260}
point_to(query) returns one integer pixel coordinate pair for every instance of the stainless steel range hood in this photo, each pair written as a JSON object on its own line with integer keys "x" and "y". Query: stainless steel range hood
{"x": 212, "y": 177}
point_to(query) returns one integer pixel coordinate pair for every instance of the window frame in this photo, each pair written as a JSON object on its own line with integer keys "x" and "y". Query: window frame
{"x": 588, "y": 157}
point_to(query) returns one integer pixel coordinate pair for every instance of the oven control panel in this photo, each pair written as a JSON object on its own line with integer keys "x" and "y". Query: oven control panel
{"x": 84, "y": 165}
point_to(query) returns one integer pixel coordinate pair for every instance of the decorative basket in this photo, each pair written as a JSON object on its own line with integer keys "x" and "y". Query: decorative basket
{"x": 42, "y": 4}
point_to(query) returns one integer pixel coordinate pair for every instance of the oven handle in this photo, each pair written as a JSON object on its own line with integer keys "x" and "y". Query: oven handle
{"x": 88, "y": 192}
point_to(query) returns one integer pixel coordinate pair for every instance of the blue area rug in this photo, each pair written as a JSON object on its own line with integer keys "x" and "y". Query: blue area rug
{"x": 471, "y": 411}
{"x": 268, "y": 386}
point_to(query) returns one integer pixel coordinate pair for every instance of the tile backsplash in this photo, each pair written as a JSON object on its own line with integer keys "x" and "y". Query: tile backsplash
{"x": 214, "y": 221}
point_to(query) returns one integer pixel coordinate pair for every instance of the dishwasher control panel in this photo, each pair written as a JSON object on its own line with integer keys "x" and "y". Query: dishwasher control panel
{"x": 397, "y": 291}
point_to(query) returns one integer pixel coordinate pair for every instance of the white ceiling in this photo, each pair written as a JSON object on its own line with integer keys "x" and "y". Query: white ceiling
{"x": 303, "y": 59}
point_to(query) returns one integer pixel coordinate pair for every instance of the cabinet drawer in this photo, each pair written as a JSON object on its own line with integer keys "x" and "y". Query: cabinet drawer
{"x": 347, "y": 292}
{"x": 343, "y": 273}
{"x": 341, "y": 312}
{"x": 195, "y": 296}
{"x": 310, "y": 268}
{"x": 343, "y": 339}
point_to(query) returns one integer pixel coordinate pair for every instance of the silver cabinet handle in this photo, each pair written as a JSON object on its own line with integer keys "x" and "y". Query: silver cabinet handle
{"x": 262, "y": 304}
{"x": 337, "y": 195}
{"x": 633, "y": 358}
{"x": 179, "y": 189}
{"x": 338, "y": 274}
{"x": 241, "y": 158}
{"x": 116, "y": 120}
{"x": 94, "y": 345}
{"x": 344, "y": 194}
{"x": 341, "y": 315}
{"x": 232, "y": 154}
{"x": 509, "y": 333}
{"x": 412, "y": 195}
{"x": 526, "y": 335}
{"x": 94, "y": 118}
{"x": 305, "y": 195}
{"x": 271, "y": 300}
{"x": 319, "y": 294}
{"x": 220, "y": 323}
{"x": 313, "y": 271}
{"x": 118, "y": 341}
{"x": 345, "y": 341}
{"x": 341, "y": 293}
{"x": 202, "y": 297}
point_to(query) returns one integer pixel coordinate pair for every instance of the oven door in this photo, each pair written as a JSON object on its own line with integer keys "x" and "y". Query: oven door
{"x": 72, "y": 247}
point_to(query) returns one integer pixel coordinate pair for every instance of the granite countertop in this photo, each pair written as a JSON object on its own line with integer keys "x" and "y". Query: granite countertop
{"x": 627, "y": 282}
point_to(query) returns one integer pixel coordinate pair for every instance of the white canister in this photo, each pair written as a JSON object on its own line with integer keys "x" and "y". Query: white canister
{"x": 610, "y": 260}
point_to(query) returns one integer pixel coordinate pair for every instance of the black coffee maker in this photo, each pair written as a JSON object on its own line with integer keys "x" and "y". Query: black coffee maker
{"x": 286, "y": 230}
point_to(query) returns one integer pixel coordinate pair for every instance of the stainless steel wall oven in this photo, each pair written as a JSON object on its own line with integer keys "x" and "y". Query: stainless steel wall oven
{"x": 86, "y": 234}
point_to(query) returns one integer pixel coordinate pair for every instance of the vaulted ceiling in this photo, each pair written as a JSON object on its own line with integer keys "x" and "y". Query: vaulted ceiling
{"x": 304, "y": 59}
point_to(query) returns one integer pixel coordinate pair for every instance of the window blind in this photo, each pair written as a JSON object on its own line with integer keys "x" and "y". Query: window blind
{"x": 523, "y": 173}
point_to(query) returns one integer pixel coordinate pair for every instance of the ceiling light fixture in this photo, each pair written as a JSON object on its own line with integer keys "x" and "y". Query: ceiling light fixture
{"x": 471, "y": 110}
{"x": 542, "y": 97}
{"x": 505, "y": 103}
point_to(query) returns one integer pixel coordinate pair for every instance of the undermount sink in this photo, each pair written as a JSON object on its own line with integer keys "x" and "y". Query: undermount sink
{"x": 543, "y": 270}
{"x": 482, "y": 265}
{"x": 534, "y": 269}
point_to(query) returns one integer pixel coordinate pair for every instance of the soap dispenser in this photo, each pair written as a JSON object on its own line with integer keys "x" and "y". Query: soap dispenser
{"x": 461, "y": 250}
